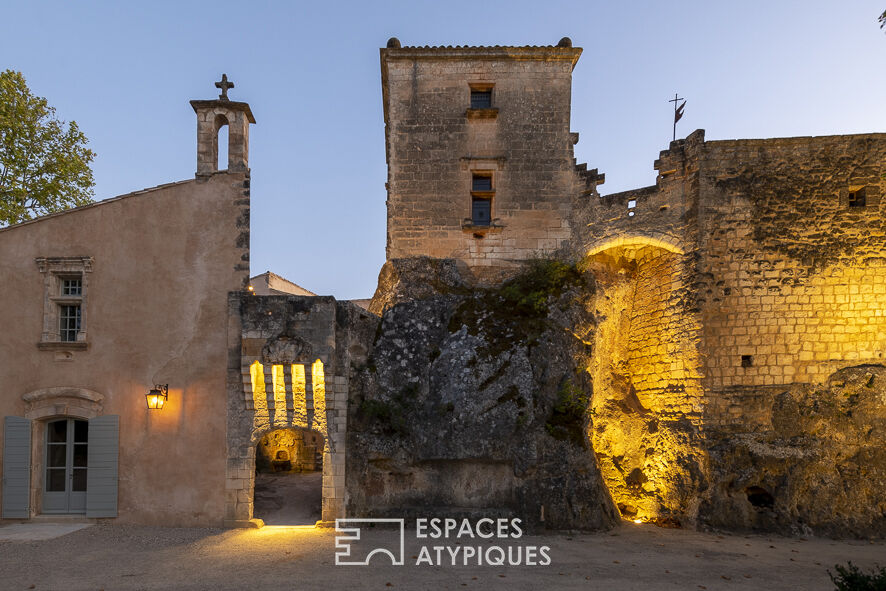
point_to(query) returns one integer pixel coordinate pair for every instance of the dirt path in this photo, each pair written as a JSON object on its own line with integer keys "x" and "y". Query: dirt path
{"x": 289, "y": 499}
{"x": 631, "y": 557}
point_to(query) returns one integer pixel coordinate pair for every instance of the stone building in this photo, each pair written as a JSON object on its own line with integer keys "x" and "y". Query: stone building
{"x": 749, "y": 279}
{"x": 101, "y": 304}
{"x": 479, "y": 152}
{"x": 708, "y": 350}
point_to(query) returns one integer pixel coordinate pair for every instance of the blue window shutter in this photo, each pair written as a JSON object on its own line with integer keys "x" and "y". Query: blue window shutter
{"x": 16, "y": 468}
{"x": 101, "y": 475}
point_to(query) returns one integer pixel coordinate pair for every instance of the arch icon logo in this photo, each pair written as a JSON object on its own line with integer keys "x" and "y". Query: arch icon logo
{"x": 353, "y": 550}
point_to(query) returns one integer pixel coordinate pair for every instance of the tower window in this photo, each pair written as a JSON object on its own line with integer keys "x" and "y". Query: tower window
{"x": 747, "y": 361}
{"x": 481, "y": 211}
{"x": 482, "y": 193}
{"x": 481, "y": 99}
{"x": 481, "y": 183}
{"x": 857, "y": 197}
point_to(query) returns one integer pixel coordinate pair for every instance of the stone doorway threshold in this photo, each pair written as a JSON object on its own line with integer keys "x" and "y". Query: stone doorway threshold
{"x": 41, "y": 528}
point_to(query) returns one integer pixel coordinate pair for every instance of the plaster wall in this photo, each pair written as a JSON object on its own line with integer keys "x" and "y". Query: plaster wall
{"x": 156, "y": 313}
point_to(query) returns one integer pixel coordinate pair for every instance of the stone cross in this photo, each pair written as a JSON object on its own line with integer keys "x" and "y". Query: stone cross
{"x": 224, "y": 85}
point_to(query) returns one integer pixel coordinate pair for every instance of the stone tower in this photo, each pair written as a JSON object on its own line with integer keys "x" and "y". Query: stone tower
{"x": 211, "y": 117}
{"x": 479, "y": 152}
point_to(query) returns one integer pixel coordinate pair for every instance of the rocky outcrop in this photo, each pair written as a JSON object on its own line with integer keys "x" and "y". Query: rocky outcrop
{"x": 415, "y": 278}
{"x": 530, "y": 400}
{"x": 816, "y": 464}
{"x": 475, "y": 403}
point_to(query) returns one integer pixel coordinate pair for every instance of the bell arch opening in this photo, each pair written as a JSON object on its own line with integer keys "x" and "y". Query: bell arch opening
{"x": 222, "y": 142}
{"x": 647, "y": 404}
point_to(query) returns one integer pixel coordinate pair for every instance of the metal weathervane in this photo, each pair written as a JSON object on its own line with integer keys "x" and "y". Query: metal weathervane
{"x": 678, "y": 112}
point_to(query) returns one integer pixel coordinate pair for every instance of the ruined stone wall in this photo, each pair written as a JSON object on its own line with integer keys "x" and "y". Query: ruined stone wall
{"x": 289, "y": 359}
{"x": 793, "y": 274}
{"x": 647, "y": 403}
{"x": 435, "y": 143}
{"x": 781, "y": 298}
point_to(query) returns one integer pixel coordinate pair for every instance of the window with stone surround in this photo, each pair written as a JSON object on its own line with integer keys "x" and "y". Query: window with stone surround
{"x": 480, "y": 106}
{"x": 64, "y": 301}
{"x": 482, "y": 193}
{"x": 481, "y": 99}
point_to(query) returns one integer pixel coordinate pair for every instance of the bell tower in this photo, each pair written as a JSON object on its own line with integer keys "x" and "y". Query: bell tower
{"x": 211, "y": 117}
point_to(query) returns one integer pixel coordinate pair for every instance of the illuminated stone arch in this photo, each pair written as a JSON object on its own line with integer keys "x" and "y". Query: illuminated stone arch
{"x": 647, "y": 399}
{"x": 284, "y": 387}
{"x": 662, "y": 241}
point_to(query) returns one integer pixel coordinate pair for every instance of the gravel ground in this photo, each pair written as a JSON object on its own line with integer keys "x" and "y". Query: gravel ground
{"x": 289, "y": 499}
{"x": 114, "y": 557}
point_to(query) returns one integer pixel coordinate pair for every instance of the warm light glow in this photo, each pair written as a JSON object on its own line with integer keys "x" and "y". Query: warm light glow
{"x": 299, "y": 406}
{"x": 155, "y": 402}
{"x": 285, "y": 530}
{"x": 279, "y": 385}
{"x": 259, "y": 396}
{"x": 318, "y": 381}
{"x": 645, "y": 359}
{"x": 635, "y": 241}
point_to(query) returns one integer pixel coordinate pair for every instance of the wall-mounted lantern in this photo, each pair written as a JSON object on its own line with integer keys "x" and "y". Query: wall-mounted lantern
{"x": 157, "y": 397}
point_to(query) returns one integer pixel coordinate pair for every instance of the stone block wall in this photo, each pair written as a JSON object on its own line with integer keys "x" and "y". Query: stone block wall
{"x": 647, "y": 406}
{"x": 793, "y": 275}
{"x": 766, "y": 282}
{"x": 435, "y": 143}
{"x": 285, "y": 370}
{"x": 786, "y": 275}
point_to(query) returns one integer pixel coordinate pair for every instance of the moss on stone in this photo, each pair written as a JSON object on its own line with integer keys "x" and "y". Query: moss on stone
{"x": 567, "y": 419}
{"x": 517, "y": 311}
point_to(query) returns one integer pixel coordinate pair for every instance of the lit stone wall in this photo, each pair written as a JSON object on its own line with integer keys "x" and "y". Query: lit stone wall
{"x": 435, "y": 143}
{"x": 795, "y": 277}
{"x": 648, "y": 403}
{"x": 786, "y": 274}
{"x": 782, "y": 289}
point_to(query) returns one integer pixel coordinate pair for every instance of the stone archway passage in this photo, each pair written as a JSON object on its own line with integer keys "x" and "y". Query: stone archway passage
{"x": 648, "y": 402}
{"x": 289, "y": 477}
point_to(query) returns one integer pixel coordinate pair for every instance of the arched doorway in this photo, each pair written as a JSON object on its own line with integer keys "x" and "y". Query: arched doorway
{"x": 289, "y": 477}
{"x": 648, "y": 401}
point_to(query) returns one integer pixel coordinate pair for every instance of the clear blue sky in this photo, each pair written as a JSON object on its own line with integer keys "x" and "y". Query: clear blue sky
{"x": 310, "y": 71}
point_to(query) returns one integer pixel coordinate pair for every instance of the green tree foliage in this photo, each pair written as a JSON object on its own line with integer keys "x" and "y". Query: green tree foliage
{"x": 44, "y": 164}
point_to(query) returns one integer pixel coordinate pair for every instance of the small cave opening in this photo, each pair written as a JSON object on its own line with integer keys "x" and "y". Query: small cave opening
{"x": 289, "y": 477}
{"x": 759, "y": 497}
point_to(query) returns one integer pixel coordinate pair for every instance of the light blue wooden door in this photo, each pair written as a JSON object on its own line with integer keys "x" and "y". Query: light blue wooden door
{"x": 16, "y": 489}
{"x": 65, "y": 477}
